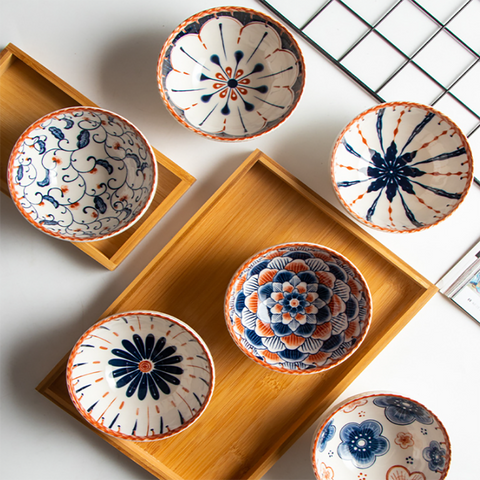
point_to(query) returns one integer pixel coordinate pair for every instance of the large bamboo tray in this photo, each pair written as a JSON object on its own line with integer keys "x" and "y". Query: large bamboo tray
{"x": 255, "y": 414}
{"x": 29, "y": 91}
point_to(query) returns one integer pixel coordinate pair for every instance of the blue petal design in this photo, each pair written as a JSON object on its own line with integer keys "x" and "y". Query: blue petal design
{"x": 105, "y": 165}
{"x": 50, "y": 199}
{"x": 100, "y": 205}
{"x": 57, "y": 133}
{"x": 83, "y": 139}
{"x": 46, "y": 181}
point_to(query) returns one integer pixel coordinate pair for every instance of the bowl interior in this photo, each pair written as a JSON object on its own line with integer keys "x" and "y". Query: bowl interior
{"x": 401, "y": 167}
{"x": 231, "y": 73}
{"x": 140, "y": 376}
{"x": 389, "y": 436}
{"x": 82, "y": 174}
{"x": 298, "y": 308}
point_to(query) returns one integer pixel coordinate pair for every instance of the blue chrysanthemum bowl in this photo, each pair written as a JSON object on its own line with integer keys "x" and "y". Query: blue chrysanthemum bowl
{"x": 231, "y": 73}
{"x": 298, "y": 308}
{"x": 140, "y": 376}
{"x": 82, "y": 174}
{"x": 401, "y": 167}
{"x": 381, "y": 436}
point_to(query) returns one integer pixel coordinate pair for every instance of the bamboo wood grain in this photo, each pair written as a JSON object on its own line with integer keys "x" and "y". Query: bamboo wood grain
{"x": 255, "y": 414}
{"x": 29, "y": 91}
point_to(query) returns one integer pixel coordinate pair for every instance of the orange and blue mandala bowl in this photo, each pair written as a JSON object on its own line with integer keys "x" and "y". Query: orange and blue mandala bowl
{"x": 298, "y": 308}
{"x": 401, "y": 167}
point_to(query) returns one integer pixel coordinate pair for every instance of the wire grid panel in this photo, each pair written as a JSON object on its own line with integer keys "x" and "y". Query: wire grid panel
{"x": 424, "y": 51}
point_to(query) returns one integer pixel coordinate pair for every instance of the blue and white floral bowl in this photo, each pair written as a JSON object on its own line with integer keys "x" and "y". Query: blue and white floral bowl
{"x": 82, "y": 174}
{"x": 140, "y": 376}
{"x": 298, "y": 308}
{"x": 231, "y": 73}
{"x": 383, "y": 437}
{"x": 401, "y": 167}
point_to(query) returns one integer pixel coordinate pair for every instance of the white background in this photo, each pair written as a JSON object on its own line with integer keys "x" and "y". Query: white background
{"x": 52, "y": 292}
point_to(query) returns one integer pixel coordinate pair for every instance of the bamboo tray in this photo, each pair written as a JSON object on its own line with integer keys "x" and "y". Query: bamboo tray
{"x": 29, "y": 91}
{"x": 255, "y": 414}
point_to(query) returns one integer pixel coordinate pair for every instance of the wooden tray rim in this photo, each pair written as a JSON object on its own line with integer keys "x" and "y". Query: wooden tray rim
{"x": 426, "y": 291}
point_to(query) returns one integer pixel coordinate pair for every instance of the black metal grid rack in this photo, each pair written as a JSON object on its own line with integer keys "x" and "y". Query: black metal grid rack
{"x": 452, "y": 85}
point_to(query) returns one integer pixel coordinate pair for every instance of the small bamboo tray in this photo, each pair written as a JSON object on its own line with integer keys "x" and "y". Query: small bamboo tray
{"x": 255, "y": 414}
{"x": 29, "y": 91}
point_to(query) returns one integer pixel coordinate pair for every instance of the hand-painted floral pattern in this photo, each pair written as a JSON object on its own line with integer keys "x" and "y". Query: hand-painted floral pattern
{"x": 231, "y": 74}
{"x": 404, "y": 440}
{"x": 401, "y": 473}
{"x": 146, "y": 365}
{"x": 402, "y": 411}
{"x": 82, "y": 174}
{"x": 297, "y": 308}
{"x": 327, "y": 433}
{"x": 350, "y": 407}
{"x": 435, "y": 455}
{"x": 362, "y": 443}
{"x": 402, "y": 167}
{"x": 325, "y": 472}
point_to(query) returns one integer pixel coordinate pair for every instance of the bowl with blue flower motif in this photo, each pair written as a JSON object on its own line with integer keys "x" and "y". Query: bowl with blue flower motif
{"x": 231, "y": 73}
{"x": 298, "y": 308}
{"x": 82, "y": 174}
{"x": 381, "y": 436}
{"x": 401, "y": 167}
{"x": 140, "y": 376}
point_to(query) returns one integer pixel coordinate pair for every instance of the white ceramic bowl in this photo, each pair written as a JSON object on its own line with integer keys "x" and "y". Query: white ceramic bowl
{"x": 381, "y": 436}
{"x": 401, "y": 167}
{"x": 140, "y": 376}
{"x": 82, "y": 174}
{"x": 298, "y": 308}
{"x": 231, "y": 73}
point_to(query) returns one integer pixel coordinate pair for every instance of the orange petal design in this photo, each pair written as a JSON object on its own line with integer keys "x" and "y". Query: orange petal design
{"x": 263, "y": 329}
{"x": 353, "y": 330}
{"x": 252, "y": 302}
{"x": 323, "y": 331}
{"x": 239, "y": 284}
{"x": 302, "y": 288}
{"x": 326, "y": 257}
{"x": 317, "y": 359}
{"x": 297, "y": 266}
{"x": 398, "y": 472}
{"x": 326, "y": 278}
{"x": 277, "y": 296}
{"x": 292, "y": 341}
{"x": 266, "y": 276}
{"x": 336, "y": 305}
{"x": 238, "y": 327}
{"x": 355, "y": 287}
{"x": 270, "y": 357}
{"x": 277, "y": 308}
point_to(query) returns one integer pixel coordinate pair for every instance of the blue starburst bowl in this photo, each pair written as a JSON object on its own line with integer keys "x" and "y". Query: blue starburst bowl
{"x": 381, "y": 436}
{"x": 298, "y": 308}
{"x": 231, "y": 73}
{"x": 401, "y": 167}
{"x": 140, "y": 376}
{"x": 82, "y": 174}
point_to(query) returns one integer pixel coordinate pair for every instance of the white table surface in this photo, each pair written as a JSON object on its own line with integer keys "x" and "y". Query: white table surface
{"x": 52, "y": 292}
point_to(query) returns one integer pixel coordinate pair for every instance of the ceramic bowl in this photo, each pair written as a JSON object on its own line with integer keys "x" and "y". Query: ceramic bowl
{"x": 231, "y": 73}
{"x": 140, "y": 376}
{"x": 298, "y": 308}
{"x": 82, "y": 174}
{"x": 401, "y": 167}
{"x": 383, "y": 437}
